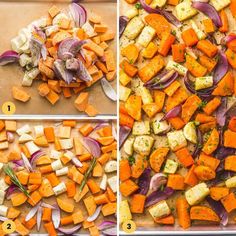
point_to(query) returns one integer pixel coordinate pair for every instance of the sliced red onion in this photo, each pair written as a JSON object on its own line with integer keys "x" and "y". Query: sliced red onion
{"x": 76, "y": 162}
{"x": 172, "y": 113}
{"x": 82, "y": 73}
{"x": 123, "y": 21}
{"x": 18, "y": 162}
{"x": 108, "y": 90}
{"x": 35, "y": 156}
{"x": 223, "y": 152}
{"x": 219, "y": 209}
{"x": 168, "y": 15}
{"x": 95, "y": 214}
{"x": 2, "y": 218}
{"x": 157, "y": 180}
{"x": 106, "y": 225}
{"x": 46, "y": 205}
{"x": 144, "y": 181}
{"x": 68, "y": 47}
{"x": 27, "y": 164}
{"x": 78, "y": 13}
{"x": 10, "y": 190}
{"x": 227, "y": 39}
{"x": 123, "y": 134}
{"x": 158, "y": 196}
{"x": 56, "y": 216}
{"x": 32, "y": 212}
{"x": 163, "y": 82}
{"x": 72, "y": 64}
{"x": 61, "y": 71}
{"x": 221, "y": 112}
{"x": 101, "y": 125}
{"x": 39, "y": 217}
{"x": 212, "y": 39}
{"x": 9, "y": 56}
{"x": 221, "y": 68}
{"x": 10, "y": 137}
{"x": 70, "y": 231}
{"x": 40, "y": 32}
{"x": 199, "y": 144}
{"x": 44, "y": 52}
{"x": 35, "y": 48}
{"x": 93, "y": 146}
{"x": 110, "y": 231}
{"x": 208, "y": 10}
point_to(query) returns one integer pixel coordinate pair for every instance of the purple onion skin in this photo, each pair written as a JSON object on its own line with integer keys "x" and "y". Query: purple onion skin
{"x": 198, "y": 147}
{"x": 222, "y": 152}
{"x": 9, "y": 56}
{"x": 124, "y": 133}
{"x": 144, "y": 181}
{"x": 221, "y": 68}
{"x": 220, "y": 177}
{"x": 221, "y": 112}
{"x": 123, "y": 21}
{"x": 158, "y": 196}
{"x": 172, "y": 113}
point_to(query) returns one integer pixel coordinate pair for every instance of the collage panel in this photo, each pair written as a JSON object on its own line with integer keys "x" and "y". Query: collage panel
{"x": 58, "y": 56}
{"x": 177, "y": 114}
{"x": 58, "y": 177}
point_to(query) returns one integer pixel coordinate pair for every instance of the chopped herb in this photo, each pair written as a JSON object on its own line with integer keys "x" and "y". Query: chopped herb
{"x": 138, "y": 5}
{"x": 131, "y": 160}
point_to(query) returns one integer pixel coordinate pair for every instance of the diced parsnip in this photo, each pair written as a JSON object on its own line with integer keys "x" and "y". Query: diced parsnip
{"x": 112, "y": 182}
{"x": 51, "y": 29}
{"x": 159, "y": 210}
{"x": 17, "y": 43}
{"x": 128, "y": 145}
{"x": 55, "y": 154}
{"x": 158, "y": 3}
{"x": 57, "y": 165}
{"x": 125, "y": 213}
{"x": 200, "y": 34}
{"x": 132, "y": 12}
{"x": 203, "y": 82}
{"x": 59, "y": 189}
{"x": 219, "y": 4}
{"x": 231, "y": 182}
{"x": 66, "y": 143}
{"x": 124, "y": 93}
{"x": 39, "y": 130}
{"x": 146, "y": 36}
{"x": 190, "y": 132}
{"x": 103, "y": 184}
{"x": 3, "y": 210}
{"x": 144, "y": 93}
{"x": 184, "y": 10}
{"x": 197, "y": 193}
{"x": 32, "y": 148}
{"x": 25, "y": 138}
{"x": 141, "y": 128}
{"x": 3, "y": 185}
{"x": 25, "y": 129}
{"x": 159, "y": 126}
{"x": 143, "y": 144}
{"x": 64, "y": 132}
{"x": 124, "y": 41}
{"x": 171, "y": 65}
{"x": 25, "y": 48}
{"x": 134, "y": 28}
{"x": 171, "y": 166}
{"x": 2, "y": 196}
{"x": 56, "y": 20}
{"x": 4, "y": 145}
{"x": 62, "y": 171}
{"x": 24, "y": 60}
{"x": 89, "y": 30}
{"x": 176, "y": 140}
{"x": 110, "y": 166}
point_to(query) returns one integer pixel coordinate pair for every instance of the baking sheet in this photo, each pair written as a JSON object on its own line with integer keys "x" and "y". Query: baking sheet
{"x": 25, "y": 208}
{"x": 15, "y": 15}
{"x": 144, "y": 222}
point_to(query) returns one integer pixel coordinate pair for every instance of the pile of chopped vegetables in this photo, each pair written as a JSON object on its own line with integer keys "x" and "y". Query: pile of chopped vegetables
{"x": 68, "y": 53}
{"x": 58, "y": 177}
{"x": 177, "y": 112}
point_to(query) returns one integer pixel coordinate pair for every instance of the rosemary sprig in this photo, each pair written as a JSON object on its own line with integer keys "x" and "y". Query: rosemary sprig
{"x": 86, "y": 175}
{"x": 10, "y": 172}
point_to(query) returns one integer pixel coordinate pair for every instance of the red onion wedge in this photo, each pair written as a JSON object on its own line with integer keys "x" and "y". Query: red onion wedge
{"x": 123, "y": 21}
{"x": 76, "y": 162}
{"x": 106, "y": 225}
{"x": 10, "y": 190}
{"x": 61, "y": 71}
{"x": 78, "y": 13}
{"x": 221, "y": 68}
{"x": 227, "y": 39}
{"x": 35, "y": 156}
{"x": 39, "y": 217}
{"x": 208, "y": 10}
{"x": 27, "y": 164}
{"x": 93, "y": 146}
{"x": 95, "y": 215}
{"x": 56, "y": 217}
{"x": 8, "y": 57}
{"x": 43, "y": 204}
{"x": 199, "y": 144}
{"x": 221, "y": 112}
{"x": 10, "y": 137}
{"x": 172, "y": 113}
{"x": 124, "y": 133}
{"x": 157, "y": 180}
{"x": 32, "y": 212}
{"x": 2, "y": 218}
{"x": 168, "y": 15}
{"x": 110, "y": 231}
{"x": 144, "y": 181}
{"x": 83, "y": 72}
{"x": 108, "y": 90}
{"x": 70, "y": 231}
